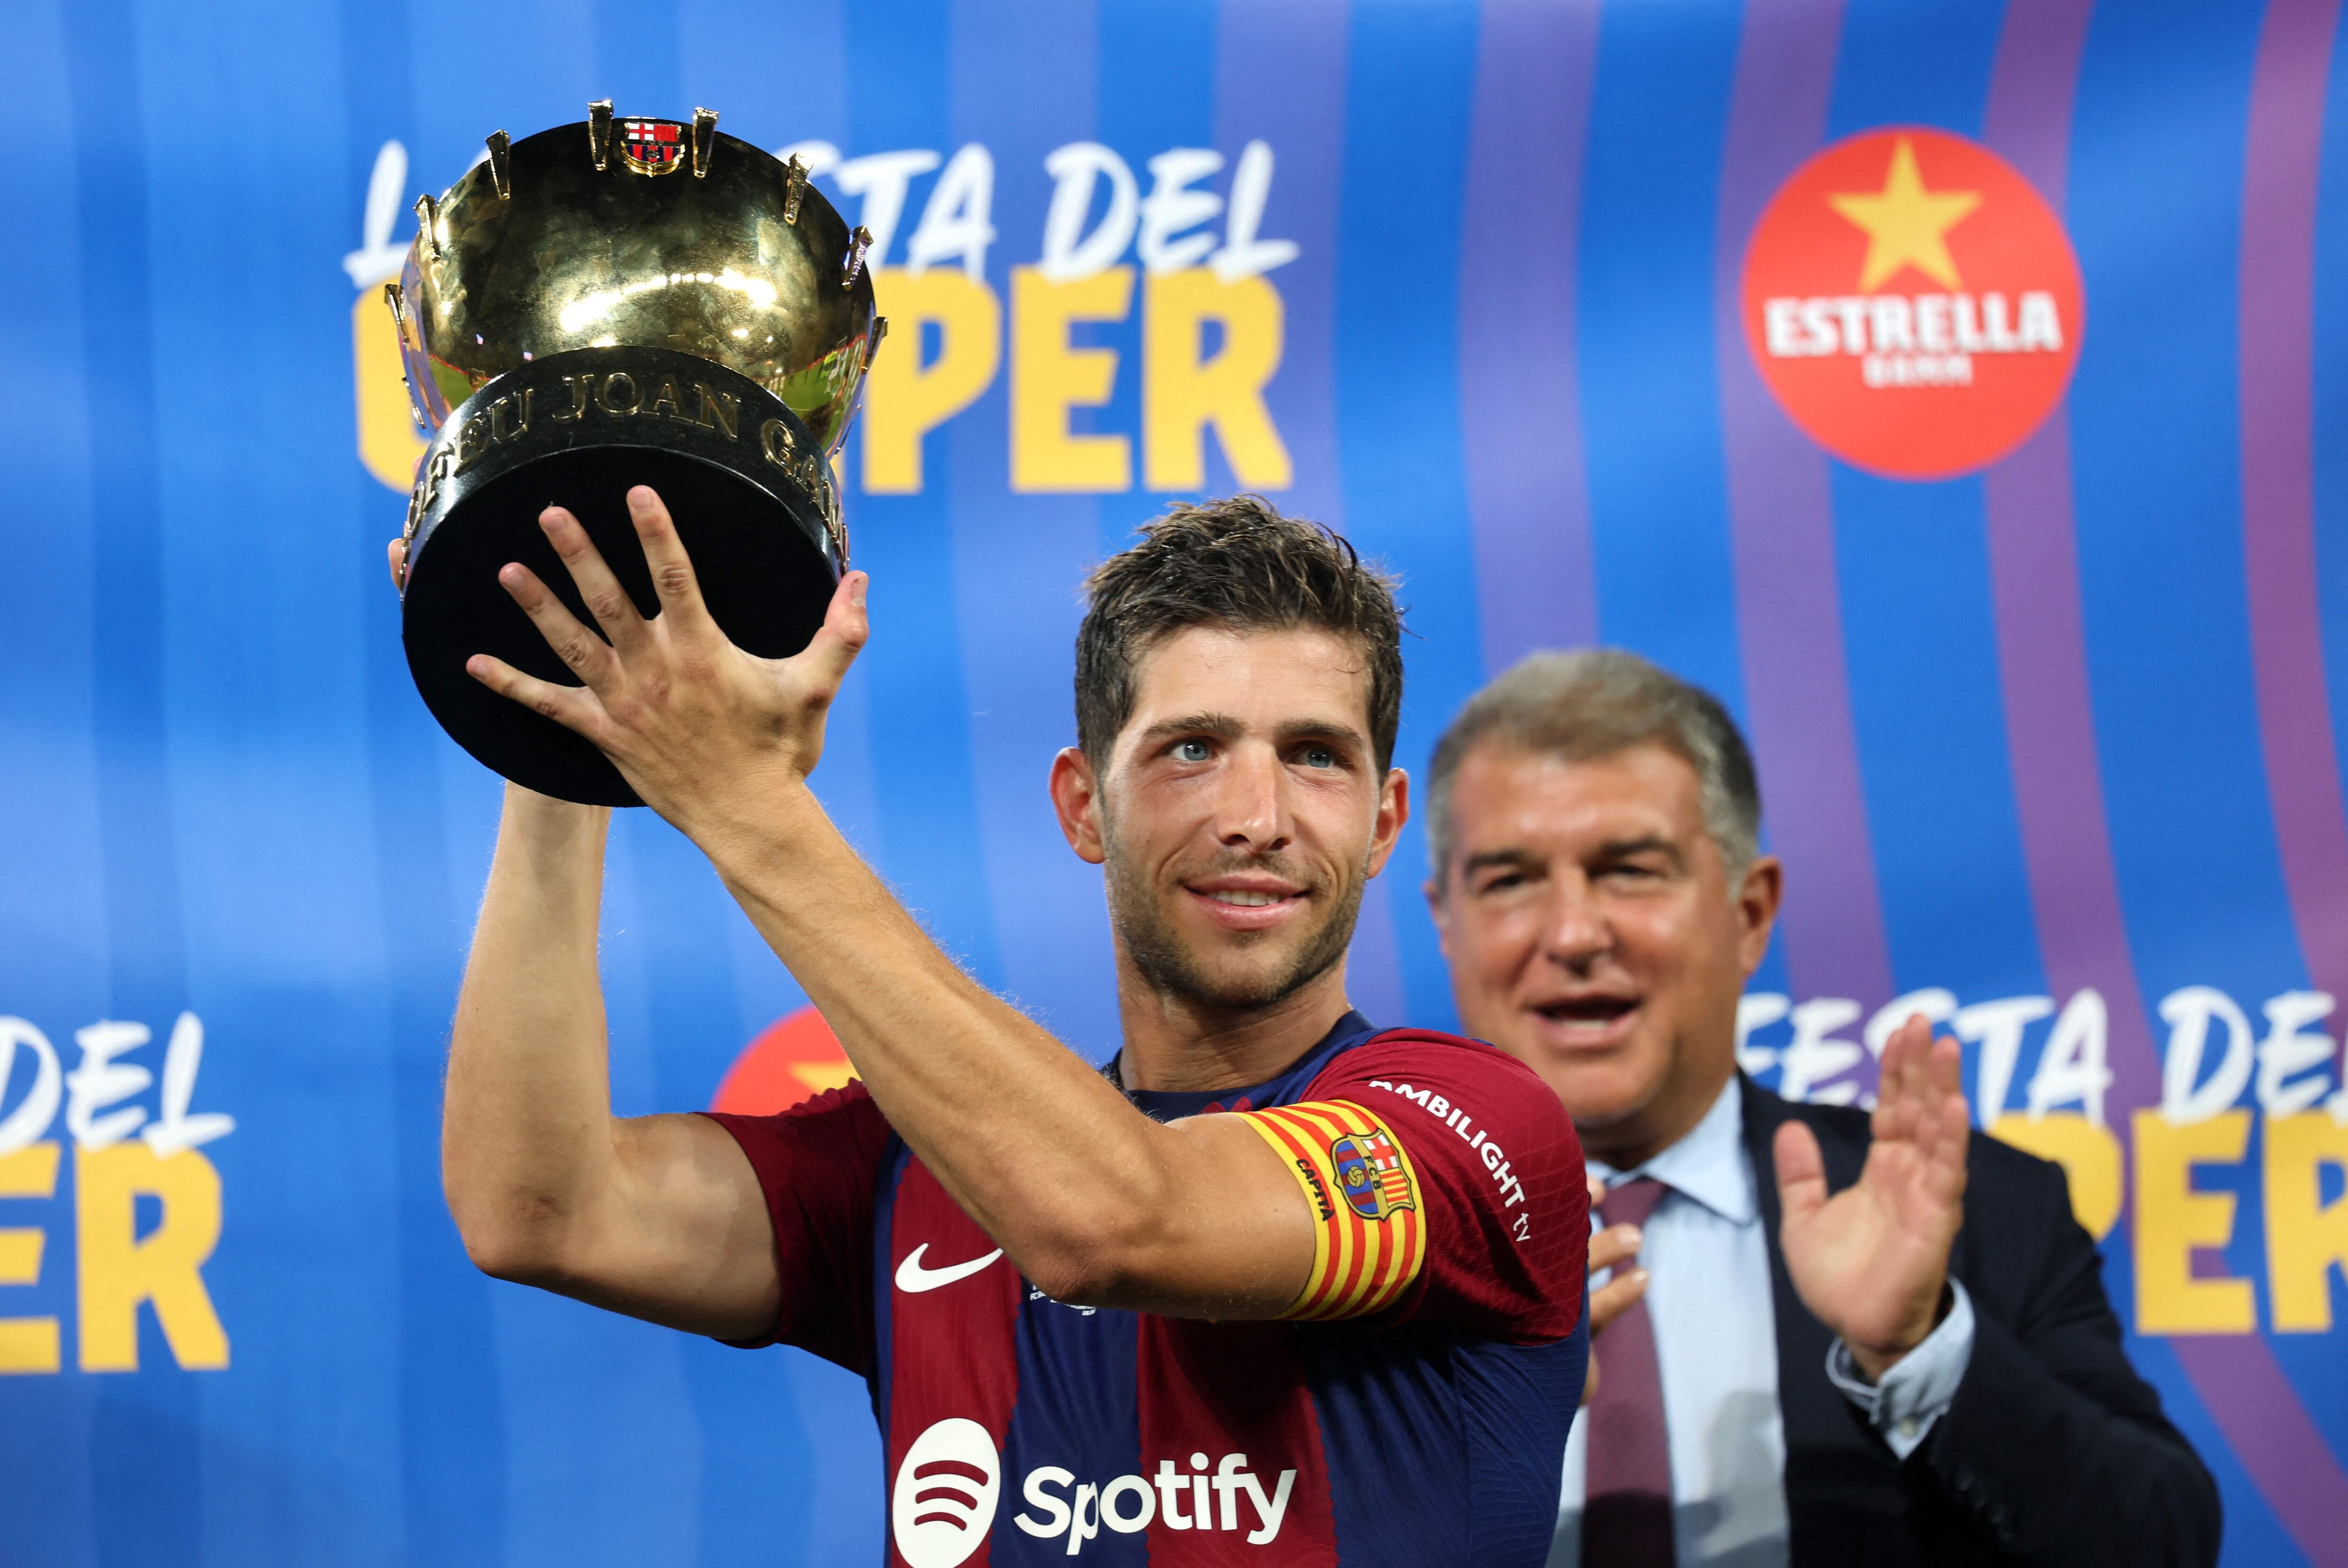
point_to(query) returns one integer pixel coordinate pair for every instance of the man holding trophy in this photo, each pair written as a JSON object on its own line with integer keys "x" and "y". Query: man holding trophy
{"x": 1277, "y": 1284}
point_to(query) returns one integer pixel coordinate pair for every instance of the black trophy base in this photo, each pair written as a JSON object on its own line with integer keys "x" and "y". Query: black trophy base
{"x": 766, "y": 562}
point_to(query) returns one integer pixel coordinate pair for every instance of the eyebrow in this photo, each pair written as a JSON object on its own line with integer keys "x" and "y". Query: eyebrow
{"x": 1613, "y": 849}
{"x": 1223, "y": 726}
{"x": 1484, "y": 860}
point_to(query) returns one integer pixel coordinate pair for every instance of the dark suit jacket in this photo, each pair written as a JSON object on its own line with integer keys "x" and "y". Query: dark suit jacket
{"x": 2054, "y": 1451}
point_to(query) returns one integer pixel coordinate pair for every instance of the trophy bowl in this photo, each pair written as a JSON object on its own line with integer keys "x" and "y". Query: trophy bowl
{"x": 614, "y": 303}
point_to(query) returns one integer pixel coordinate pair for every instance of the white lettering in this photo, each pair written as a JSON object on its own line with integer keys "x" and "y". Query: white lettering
{"x": 2286, "y": 1051}
{"x": 1056, "y": 1513}
{"x": 1996, "y": 1027}
{"x": 98, "y": 1081}
{"x": 1173, "y": 209}
{"x": 1757, "y": 1011}
{"x": 2071, "y": 1066}
{"x": 1853, "y": 310}
{"x": 1814, "y": 1054}
{"x": 1937, "y": 1006}
{"x": 2042, "y": 328}
{"x": 957, "y": 219}
{"x": 1133, "y": 1486}
{"x": 174, "y": 1129}
{"x": 1995, "y": 333}
{"x": 1171, "y": 1483}
{"x": 1243, "y": 255}
{"x": 881, "y": 178}
{"x": 1076, "y": 169}
{"x": 2189, "y": 1012}
{"x": 34, "y": 1113}
{"x": 1894, "y": 322}
{"x": 1781, "y": 328}
{"x": 1932, "y": 324}
{"x": 1080, "y": 1528}
{"x": 1269, "y": 1514}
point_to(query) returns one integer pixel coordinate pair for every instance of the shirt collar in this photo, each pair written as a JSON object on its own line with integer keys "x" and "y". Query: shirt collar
{"x": 1169, "y": 1105}
{"x": 1708, "y": 1164}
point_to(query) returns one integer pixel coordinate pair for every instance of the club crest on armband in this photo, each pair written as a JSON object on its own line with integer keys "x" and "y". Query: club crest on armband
{"x": 1371, "y": 1175}
{"x": 652, "y": 146}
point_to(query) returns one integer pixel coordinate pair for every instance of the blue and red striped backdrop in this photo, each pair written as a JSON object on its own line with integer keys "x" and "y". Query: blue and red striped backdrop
{"x": 2070, "y": 727}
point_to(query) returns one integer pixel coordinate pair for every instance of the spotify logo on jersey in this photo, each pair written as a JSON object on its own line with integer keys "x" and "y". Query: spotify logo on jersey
{"x": 943, "y": 1500}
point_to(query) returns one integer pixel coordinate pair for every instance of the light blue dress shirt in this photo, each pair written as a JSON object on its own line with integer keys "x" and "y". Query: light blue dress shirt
{"x": 1707, "y": 1264}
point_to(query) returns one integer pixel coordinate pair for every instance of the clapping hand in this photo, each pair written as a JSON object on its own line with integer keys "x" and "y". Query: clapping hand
{"x": 1872, "y": 1262}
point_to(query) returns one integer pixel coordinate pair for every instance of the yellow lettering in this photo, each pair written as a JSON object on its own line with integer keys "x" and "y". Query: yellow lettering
{"x": 26, "y": 1344}
{"x": 119, "y": 1270}
{"x": 2089, "y": 1155}
{"x": 904, "y": 399}
{"x": 388, "y": 444}
{"x": 2172, "y": 1220}
{"x": 2305, "y": 1236}
{"x": 1048, "y": 377}
{"x": 1182, "y": 394}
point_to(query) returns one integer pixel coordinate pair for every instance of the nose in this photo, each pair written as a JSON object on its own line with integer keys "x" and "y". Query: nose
{"x": 1575, "y": 933}
{"x": 1249, "y": 810}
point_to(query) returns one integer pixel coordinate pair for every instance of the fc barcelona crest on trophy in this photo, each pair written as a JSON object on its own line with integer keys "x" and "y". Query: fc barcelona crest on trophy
{"x": 570, "y": 329}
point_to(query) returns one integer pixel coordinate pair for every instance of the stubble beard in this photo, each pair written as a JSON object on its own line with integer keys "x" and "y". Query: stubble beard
{"x": 1172, "y": 970}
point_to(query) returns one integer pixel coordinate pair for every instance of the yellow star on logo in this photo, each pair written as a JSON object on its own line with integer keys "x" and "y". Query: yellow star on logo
{"x": 1905, "y": 222}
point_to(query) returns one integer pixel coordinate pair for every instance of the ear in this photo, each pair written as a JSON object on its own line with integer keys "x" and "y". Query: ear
{"x": 1076, "y": 800}
{"x": 1757, "y": 909}
{"x": 1438, "y": 909}
{"x": 1394, "y": 810}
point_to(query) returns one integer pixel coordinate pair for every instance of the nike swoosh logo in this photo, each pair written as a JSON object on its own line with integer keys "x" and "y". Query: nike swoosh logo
{"x": 913, "y": 1279}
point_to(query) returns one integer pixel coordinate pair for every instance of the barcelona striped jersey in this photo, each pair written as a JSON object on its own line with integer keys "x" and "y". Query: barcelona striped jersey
{"x": 1410, "y": 1408}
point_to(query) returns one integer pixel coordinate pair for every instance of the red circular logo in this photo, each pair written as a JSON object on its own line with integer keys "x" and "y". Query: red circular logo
{"x": 796, "y": 1056}
{"x": 1912, "y": 302}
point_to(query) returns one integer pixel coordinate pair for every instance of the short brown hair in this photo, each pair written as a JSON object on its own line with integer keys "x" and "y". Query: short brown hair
{"x": 1235, "y": 564}
{"x": 1591, "y": 704}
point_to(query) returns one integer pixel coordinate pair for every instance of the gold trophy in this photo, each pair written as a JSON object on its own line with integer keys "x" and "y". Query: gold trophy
{"x": 608, "y": 304}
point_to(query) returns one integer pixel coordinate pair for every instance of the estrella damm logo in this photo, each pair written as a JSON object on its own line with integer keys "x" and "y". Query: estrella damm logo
{"x": 1371, "y": 1175}
{"x": 1912, "y": 302}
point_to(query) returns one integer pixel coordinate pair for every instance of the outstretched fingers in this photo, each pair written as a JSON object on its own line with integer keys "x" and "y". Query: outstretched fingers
{"x": 598, "y": 588}
{"x": 828, "y": 656}
{"x": 587, "y": 655}
{"x": 672, "y": 567}
{"x": 573, "y": 708}
{"x": 1801, "y": 1173}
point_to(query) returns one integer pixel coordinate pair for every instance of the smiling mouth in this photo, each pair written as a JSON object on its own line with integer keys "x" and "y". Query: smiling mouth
{"x": 1248, "y": 899}
{"x": 1587, "y": 1010}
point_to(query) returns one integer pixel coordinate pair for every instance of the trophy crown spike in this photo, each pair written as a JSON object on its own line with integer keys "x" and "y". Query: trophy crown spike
{"x": 872, "y": 348}
{"x": 704, "y": 141}
{"x": 796, "y": 189}
{"x": 397, "y": 303}
{"x": 501, "y": 164}
{"x": 427, "y": 222}
{"x": 860, "y": 241}
{"x": 599, "y": 130}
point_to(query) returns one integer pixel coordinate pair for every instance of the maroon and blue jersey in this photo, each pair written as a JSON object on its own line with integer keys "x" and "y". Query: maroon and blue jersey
{"x": 1410, "y": 1409}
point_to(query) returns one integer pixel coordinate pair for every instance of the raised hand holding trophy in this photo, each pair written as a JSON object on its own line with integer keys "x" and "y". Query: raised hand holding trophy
{"x": 610, "y": 303}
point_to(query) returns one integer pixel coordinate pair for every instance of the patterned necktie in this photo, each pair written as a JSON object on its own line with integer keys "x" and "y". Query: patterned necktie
{"x": 1626, "y": 1521}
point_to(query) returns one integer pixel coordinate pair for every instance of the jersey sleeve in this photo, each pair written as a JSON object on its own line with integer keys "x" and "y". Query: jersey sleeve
{"x": 819, "y": 1164}
{"x": 1486, "y": 1157}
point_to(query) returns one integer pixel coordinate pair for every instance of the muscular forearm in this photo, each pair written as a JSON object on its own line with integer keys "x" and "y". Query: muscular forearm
{"x": 1085, "y": 1193}
{"x": 525, "y": 1133}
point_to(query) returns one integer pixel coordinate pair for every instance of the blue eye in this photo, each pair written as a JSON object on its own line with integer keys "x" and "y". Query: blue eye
{"x": 1191, "y": 750}
{"x": 1320, "y": 757}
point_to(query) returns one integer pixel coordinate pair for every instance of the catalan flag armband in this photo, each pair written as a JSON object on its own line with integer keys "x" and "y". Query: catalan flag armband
{"x": 1369, "y": 1238}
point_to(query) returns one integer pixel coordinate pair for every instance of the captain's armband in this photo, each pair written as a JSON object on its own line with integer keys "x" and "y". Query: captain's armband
{"x": 1369, "y": 1232}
